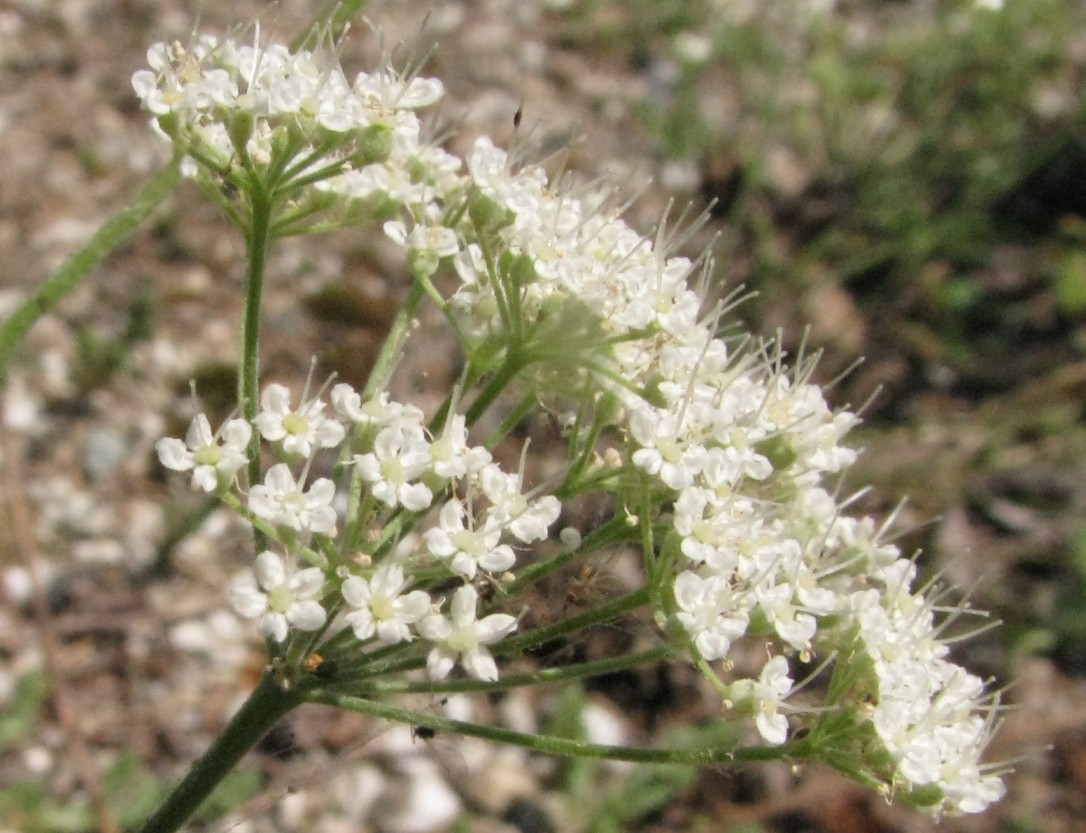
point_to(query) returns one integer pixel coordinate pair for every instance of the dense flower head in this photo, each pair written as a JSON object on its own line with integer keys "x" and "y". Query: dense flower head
{"x": 222, "y": 100}
{"x": 725, "y": 460}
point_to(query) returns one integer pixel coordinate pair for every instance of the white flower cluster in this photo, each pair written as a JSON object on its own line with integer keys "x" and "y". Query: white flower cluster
{"x": 734, "y": 448}
{"x": 741, "y": 449}
{"x": 482, "y": 510}
{"x": 220, "y": 100}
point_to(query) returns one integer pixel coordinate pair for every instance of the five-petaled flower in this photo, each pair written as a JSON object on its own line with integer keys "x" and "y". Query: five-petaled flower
{"x": 382, "y": 606}
{"x": 214, "y": 459}
{"x": 461, "y": 636}
{"x": 282, "y": 501}
{"x": 282, "y": 601}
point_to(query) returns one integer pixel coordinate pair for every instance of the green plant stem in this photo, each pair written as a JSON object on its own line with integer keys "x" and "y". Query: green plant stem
{"x": 265, "y": 706}
{"x": 257, "y": 237}
{"x": 551, "y": 745}
{"x": 105, "y": 240}
{"x": 329, "y": 25}
{"x": 512, "y": 365}
{"x": 543, "y": 676}
{"x": 392, "y": 349}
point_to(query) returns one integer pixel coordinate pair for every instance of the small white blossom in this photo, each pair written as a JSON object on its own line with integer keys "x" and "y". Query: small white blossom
{"x": 213, "y": 459}
{"x": 468, "y": 546}
{"x": 378, "y": 411}
{"x": 460, "y": 636}
{"x": 526, "y": 519}
{"x": 436, "y": 239}
{"x": 400, "y": 456}
{"x": 383, "y": 607}
{"x": 711, "y": 612}
{"x": 763, "y": 697}
{"x": 299, "y": 430}
{"x": 450, "y": 454}
{"x": 282, "y": 601}
{"x": 282, "y": 501}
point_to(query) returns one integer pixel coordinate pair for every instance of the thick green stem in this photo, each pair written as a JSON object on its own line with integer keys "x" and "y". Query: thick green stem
{"x": 105, "y": 240}
{"x": 550, "y": 745}
{"x": 265, "y": 706}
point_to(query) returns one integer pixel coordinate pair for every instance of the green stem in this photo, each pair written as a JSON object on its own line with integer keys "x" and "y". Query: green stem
{"x": 513, "y": 364}
{"x": 329, "y": 25}
{"x": 550, "y": 745}
{"x": 612, "y": 533}
{"x": 595, "y": 616}
{"x": 542, "y": 676}
{"x": 265, "y": 706}
{"x": 257, "y": 237}
{"x": 105, "y": 240}
{"x": 392, "y": 350}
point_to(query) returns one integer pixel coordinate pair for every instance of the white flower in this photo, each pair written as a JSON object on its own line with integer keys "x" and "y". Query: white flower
{"x": 400, "y": 456}
{"x": 383, "y": 607}
{"x": 450, "y": 454}
{"x": 281, "y": 602}
{"x": 469, "y": 546}
{"x": 763, "y": 698}
{"x": 711, "y": 612}
{"x": 281, "y": 501}
{"x": 526, "y": 520}
{"x": 378, "y": 411}
{"x": 213, "y": 459}
{"x": 773, "y": 686}
{"x": 437, "y": 239}
{"x": 299, "y": 431}
{"x": 462, "y": 636}
{"x": 665, "y": 450}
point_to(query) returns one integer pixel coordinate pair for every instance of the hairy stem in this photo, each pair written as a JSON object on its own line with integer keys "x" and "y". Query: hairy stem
{"x": 551, "y": 745}
{"x": 61, "y": 282}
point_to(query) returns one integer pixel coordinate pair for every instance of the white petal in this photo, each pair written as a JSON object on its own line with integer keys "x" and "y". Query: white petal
{"x": 269, "y": 570}
{"x": 275, "y": 626}
{"x": 480, "y": 664}
{"x": 393, "y": 631}
{"x": 199, "y": 434}
{"x": 396, "y": 231}
{"x": 173, "y": 454}
{"x": 494, "y": 627}
{"x": 439, "y": 663}
{"x": 205, "y": 478}
{"x": 435, "y": 628}
{"x": 276, "y": 400}
{"x": 416, "y": 497}
{"x": 279, "y": 480}
{"x": 413, "y": 606}
{"x": 308, "y": 583}
{"x": 236, "y": 434}
{"x": 462, "y": 609}
{"x": 248, "y": 601}
{"x": 356, "y": 591}
{"x": 772, "y": 727}
{"x": 361, "y": 622}
{"x": 306, "y": 616}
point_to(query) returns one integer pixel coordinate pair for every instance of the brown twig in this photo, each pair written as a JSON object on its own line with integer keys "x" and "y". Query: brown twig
{"x": 22, "y": 533}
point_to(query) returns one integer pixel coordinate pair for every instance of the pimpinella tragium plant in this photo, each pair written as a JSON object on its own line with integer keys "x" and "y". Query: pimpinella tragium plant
{"x": 395, "y": 555}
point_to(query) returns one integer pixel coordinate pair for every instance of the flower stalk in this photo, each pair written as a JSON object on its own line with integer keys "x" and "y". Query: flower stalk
{"x": 265, "y": 706}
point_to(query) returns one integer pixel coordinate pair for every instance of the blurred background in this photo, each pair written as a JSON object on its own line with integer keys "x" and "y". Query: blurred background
{"x": 892, "y": 180}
